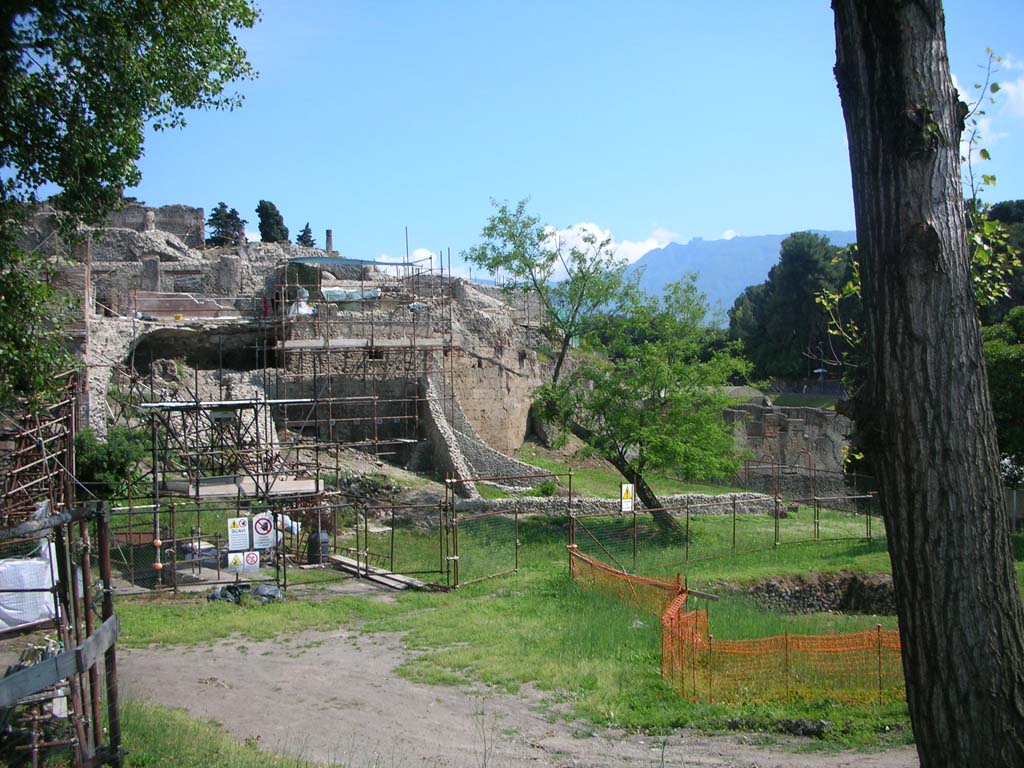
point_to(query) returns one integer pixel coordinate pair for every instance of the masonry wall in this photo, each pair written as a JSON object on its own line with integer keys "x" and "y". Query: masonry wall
{"x": 789, "y": 435}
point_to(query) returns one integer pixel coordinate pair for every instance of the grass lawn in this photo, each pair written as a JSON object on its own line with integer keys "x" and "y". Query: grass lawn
{"x": 577, "y": 645}
{"x": 161, "y": 737}
{"x": 605, "y": 483}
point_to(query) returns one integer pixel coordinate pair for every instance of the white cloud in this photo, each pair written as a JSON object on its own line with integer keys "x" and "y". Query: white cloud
{"x": 729, "y": 234}
{"x": 252, "y": 237}
{"x": 629, "y": 250}
{"x": 1013, "y": 93}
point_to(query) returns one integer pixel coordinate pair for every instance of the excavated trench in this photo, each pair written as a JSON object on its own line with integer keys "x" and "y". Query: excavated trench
{"x": 845, "y": 592}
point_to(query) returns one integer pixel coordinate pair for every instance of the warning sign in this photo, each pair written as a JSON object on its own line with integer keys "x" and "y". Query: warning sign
{"x": 263, "y": 531}
{"x": 238, "y": 533}
{"x": 243, "y": 561}
{"x": 626, "y": 497}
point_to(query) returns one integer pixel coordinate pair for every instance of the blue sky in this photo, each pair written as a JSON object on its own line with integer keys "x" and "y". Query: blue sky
{"x": 653, "y": 121}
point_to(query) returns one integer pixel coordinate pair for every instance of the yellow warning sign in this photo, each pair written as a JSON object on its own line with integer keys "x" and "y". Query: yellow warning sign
{"x": 626, "y": 497}
{"x": 236, "y": 561}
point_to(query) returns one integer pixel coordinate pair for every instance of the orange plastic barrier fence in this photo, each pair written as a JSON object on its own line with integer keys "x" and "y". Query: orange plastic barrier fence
{"x": 855, "y": 668}
{"x": 647, "y": 594}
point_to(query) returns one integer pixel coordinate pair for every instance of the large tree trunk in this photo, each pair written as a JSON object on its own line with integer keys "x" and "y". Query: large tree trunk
{"x": 644, "y": 492}
{"x": 924, "y": 414}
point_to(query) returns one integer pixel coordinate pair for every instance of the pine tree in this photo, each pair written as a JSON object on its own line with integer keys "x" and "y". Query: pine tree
{"x": 272, "y": 228}
{"x": 305, "y": 237}
{"x": 227, "y": 227}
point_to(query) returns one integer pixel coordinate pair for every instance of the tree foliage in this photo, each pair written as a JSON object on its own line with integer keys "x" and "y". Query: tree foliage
{"x": 783, "y": 328}
{"x": 574, "y": 282}
{"x": 272, "y": 228}
{"x": 1010, "y": 216}
{"x": 32, "y": 346}
{"x": 109, "y": 468}
{"x": 1003, "y": 344}
{"x": 227, "y": 227}
{"x": 305, "y": 237}
{"x": 650, "y": 394}
{"x": 79, "y": 82}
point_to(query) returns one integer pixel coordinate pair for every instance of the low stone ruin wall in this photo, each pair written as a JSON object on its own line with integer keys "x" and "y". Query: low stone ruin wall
{"x": 699, "y": 504}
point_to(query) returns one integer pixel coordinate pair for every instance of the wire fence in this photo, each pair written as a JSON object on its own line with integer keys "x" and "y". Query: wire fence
{"x": 635, "y": 542}
{"x": 606, "y": 552}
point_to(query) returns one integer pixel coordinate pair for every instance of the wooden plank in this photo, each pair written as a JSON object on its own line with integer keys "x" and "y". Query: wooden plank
{"x": 39, "y": 676}
{"x": 371, "y": 571}
{"x": 51, "y": 671}
{"x": 98, "y": 642}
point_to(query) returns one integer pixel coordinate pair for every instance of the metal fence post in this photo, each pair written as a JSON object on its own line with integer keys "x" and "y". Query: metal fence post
{"x": 711, "y": 670}
{"x": 878, "y": 635}
{"x": 110, "y": 656}
{"x": 734, "y": 522}
{"x": 686, "y": 544}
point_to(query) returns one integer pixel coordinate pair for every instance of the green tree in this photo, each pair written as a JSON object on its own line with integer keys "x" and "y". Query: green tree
{"x": 305, "y": 237}
{"x": 1010, "y": 215}
{"x": 79, "y": 82}
{"x": 272, "y": 228}
{"x": 227, "y": 227}
{"x": 784, "y": 330}
{"x": 923, "y": 414}
{"x": 1003, "y": 344}
{"x": 651, "y": 394}
{"x": 573, "y": 283}
{"x": 32, "y": 340}
{"x": 109, "y": 469}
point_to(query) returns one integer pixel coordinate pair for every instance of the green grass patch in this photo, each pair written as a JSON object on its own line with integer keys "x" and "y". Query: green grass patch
{"x": 606, "y": 483}
{"x": 488, "y": 491}
{"x": 580, "y": 647}
{"x": 160, "y": 737}
{"x": 189, "y": 620}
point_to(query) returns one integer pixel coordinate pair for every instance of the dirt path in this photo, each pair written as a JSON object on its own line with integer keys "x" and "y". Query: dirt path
{"x": 334, "y": 697}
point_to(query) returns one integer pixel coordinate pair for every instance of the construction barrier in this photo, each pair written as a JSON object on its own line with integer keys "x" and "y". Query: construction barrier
{"x": 647, "y": 594}
{"x": 854, "y": 668}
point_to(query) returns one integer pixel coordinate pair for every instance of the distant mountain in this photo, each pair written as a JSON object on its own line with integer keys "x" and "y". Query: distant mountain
{"x": 724, "y": 267}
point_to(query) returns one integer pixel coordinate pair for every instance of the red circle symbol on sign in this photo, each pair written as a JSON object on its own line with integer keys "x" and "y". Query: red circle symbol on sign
{"x": 263, "y": 526}
{"x": 252, "y": 558}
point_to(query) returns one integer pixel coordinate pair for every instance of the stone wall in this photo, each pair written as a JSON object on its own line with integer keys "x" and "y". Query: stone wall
{"x": 498, "y": 371}
{"x": 699, "y": 504}
{"x": 188, "y": 224}
{"x": 446, "y": 455}
{"x": 787, "y": 435}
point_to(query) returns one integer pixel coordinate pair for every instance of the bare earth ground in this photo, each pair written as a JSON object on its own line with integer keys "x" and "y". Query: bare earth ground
{"x": 335, "y": 697}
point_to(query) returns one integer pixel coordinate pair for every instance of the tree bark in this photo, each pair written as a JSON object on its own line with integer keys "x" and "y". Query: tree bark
{"x": 644, "y": 492}
{"x": 924, "y": 416}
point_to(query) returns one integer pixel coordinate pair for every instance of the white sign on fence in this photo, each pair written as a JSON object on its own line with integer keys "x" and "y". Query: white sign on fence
{"x": 626, "y": 497}
{"x": 243, "y": 561}
{"x": 238, "y": 533}
{"x": 263, "y": 531}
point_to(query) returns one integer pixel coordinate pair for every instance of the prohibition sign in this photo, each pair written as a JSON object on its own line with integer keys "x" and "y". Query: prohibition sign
{"x": 252, "y": 558}
{"x": 263, "y": 526}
